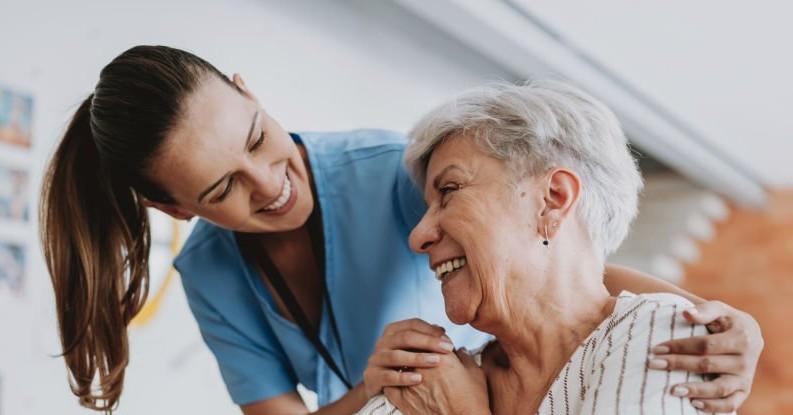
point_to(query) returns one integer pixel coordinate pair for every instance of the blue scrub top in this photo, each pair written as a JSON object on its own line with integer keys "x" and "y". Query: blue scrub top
{"x": 369, "y": 205}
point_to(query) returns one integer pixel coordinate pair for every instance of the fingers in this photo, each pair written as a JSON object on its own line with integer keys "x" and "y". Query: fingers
{"x": 721, "y": 343}
{"x": 402, "y": 358}
{"x": 377, "y": 377}
{"x": 720, "y": 406}
{"x": 720, "y": 388}
{"x": 405, "y": 345}
{"x": 711, "y": 364}
{"x": 415, "y": 324}
{"x": 710, "y": 312}
{"x": 398, "y": 378}
{"x": 416, "y": 341}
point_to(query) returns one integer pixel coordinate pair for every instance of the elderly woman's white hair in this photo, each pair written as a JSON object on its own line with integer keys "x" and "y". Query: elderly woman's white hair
{"x": 535, "y": 127}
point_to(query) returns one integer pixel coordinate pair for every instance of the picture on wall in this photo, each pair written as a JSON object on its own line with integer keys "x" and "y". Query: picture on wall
{"x": 14, "y": 187}
{"x": 16, "y": 118}
{"x": 12, "y": 267}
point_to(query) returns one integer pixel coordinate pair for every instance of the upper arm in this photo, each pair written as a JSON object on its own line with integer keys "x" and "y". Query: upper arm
{"x": 286, "y": 404}
{"x": 618, "y": 278}
{"x": 621, "y": 381}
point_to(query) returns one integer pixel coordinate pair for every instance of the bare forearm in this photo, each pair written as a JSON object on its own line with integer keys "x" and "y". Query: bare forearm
{"x": 618, "y": 278}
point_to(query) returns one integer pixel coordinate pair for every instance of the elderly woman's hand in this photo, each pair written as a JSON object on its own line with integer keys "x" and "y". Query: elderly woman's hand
{"x": 731, "y": 352}
{"x": 457, "y": 386}
{"x": 406, "y": 344}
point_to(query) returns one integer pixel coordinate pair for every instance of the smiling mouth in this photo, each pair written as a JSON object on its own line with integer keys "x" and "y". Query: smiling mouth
{"x": 283, "y": 198}
{"x": 445, "y": 268}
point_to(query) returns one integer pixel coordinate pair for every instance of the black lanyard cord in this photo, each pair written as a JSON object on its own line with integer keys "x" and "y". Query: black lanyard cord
{"x": 286, "y": 295}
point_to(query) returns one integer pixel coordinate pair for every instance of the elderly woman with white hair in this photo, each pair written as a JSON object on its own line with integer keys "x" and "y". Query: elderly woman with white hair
{"x": 529, "y": 189}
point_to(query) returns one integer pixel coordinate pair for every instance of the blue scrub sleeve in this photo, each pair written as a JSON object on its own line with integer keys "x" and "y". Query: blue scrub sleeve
{"x": 252, "y": 371}
{"x": 411, "y": 201}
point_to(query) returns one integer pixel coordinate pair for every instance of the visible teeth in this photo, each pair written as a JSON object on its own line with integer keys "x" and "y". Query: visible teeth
{"x": 283, "y": 197}
{"x": 445, "y": 268}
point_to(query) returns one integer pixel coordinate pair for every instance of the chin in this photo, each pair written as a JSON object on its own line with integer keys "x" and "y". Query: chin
{"x": 459, "y": 314}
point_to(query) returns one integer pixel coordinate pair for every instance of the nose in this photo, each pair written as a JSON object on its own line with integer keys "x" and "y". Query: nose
{"x": 265, "y": 183}
{"x": 426, "y": 234}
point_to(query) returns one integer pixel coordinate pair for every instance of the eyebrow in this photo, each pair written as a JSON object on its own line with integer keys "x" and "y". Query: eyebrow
{"x": 248, "y": 139}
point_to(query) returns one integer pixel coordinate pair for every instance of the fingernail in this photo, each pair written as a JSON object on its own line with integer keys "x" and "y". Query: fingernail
{"x": 447, "y": 338}
{"x": 447, "y": 346}
{"x": 698, "y": 404}
{"x": 680, "y": 391}
{"x": 660, "y": 349}
{"x": 414, "y": 377}
{"x": 692, "y": 312}
{"x": 432, "y": 358}
{"x": 657, "y": 364}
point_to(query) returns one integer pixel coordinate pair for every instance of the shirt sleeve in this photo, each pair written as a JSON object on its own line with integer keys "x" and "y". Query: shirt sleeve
{"x": 379, "y": 405}
{"x": 621, "y": 382}
{"x": 251, "y": 370}
{"x": 410, "y": 199}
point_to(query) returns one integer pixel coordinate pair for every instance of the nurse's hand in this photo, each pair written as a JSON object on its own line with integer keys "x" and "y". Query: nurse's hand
{"x": 731, "y": 353}
{"x": 404, "y": 346}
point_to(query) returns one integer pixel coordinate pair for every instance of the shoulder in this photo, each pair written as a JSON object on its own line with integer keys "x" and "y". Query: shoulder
{"x": 647, "y": 310}
{"x": 640, "y": 321}
{"x": 619, "y": 377}
{"x": 208, "y": 249}
{"x": 333, "y": 148}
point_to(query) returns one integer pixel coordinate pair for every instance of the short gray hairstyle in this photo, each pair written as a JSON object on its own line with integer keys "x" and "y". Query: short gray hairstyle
{"x": 535, "y": 127}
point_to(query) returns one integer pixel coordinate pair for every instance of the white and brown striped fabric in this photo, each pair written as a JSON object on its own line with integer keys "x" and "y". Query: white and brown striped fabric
{"x": 608, "y": 373}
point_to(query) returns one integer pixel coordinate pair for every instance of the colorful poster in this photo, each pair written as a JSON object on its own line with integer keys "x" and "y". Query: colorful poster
{"x": 12, "y": 267}
{"x": 14, "y": 187}
{"x": 16, "y": 118}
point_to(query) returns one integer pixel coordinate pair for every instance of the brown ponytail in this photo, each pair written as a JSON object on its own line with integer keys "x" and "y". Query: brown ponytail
{"x": 96, "y": 245}
{"x": 94, "y": 227}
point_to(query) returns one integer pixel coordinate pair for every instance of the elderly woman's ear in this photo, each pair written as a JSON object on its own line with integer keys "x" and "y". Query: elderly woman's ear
{"x": 562, "y": 188}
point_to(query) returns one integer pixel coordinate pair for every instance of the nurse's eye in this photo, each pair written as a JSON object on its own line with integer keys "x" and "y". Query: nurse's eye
{"x": 221, "y": 197}
{"x": 258, "y": 143}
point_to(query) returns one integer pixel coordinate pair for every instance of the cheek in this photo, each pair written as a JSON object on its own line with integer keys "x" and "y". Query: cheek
{"x": 230, "y": 214}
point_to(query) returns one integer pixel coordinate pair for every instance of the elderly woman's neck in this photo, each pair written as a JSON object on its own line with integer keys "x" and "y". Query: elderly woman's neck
{"x": 541, "y": 330}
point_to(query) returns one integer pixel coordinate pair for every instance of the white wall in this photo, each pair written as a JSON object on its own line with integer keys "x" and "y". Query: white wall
{"x": 724, "y": 68}
{"x": 313, "y": 64}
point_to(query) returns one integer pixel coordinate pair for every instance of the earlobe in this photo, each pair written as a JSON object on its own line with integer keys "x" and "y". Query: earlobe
{"x": 561, "y": 195}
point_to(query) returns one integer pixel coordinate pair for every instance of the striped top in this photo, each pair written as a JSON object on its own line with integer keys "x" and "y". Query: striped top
{"x": 608, "y": 372}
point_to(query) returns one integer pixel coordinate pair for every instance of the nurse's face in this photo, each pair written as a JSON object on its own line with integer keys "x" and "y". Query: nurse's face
{"x": 229, "y": 162}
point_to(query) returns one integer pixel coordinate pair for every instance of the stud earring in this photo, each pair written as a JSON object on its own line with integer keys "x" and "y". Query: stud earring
{"x": 545, "y": 241}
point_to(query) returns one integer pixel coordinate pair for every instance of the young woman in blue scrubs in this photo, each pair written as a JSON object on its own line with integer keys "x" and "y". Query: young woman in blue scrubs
{"x": 298, "y": 270}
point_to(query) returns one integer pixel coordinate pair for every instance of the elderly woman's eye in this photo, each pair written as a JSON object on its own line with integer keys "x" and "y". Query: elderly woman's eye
{"x": 446, "y": 190}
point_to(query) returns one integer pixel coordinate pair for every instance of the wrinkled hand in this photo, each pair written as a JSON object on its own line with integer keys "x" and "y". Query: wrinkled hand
{"x": 457, "y": 386}
{"x": 405, "y": 345}
{"x": 731, "y": 352}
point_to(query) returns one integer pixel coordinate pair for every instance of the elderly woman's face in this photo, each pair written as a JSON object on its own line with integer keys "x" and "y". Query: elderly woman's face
{"x": 479, "y": 230}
